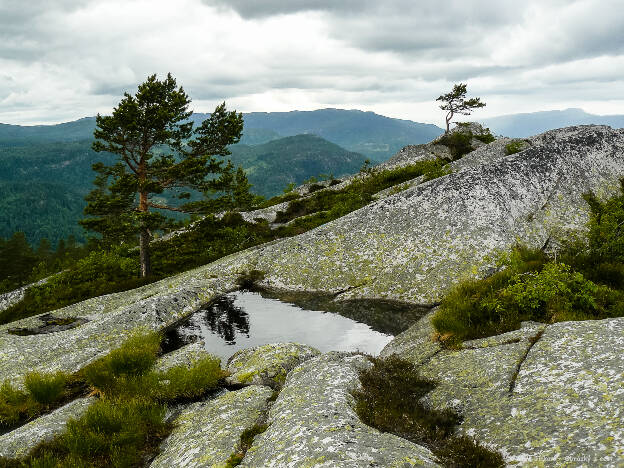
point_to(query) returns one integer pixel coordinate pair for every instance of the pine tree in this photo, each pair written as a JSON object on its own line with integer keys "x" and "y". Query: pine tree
{"x": 455, "y": 103}
{"x": 160, "y": 153}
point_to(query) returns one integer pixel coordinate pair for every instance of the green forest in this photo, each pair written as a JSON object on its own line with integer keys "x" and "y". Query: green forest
{"x": 42, "y": 186}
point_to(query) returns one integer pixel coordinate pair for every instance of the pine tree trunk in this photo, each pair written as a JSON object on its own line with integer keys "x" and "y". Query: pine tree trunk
{"x": 146, "y": 266}
{"x": 144, "y": 239}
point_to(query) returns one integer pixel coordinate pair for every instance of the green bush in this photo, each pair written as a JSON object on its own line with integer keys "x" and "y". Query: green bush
{"x": 530, "y": 287}
{"x": 459, "y": 144}
{"x": 181, "y": 382}
{"x": 486, "y": 137}
{"x": 119, "y": 372}
{"x": 46, "y": 388}
{"x": 514, "y": 147}
{"x": 551, "y": 295}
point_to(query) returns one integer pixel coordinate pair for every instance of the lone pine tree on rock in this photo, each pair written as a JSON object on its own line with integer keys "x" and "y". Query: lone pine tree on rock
{"x": 455, "y": 103}
{"x": 160, "y": 153}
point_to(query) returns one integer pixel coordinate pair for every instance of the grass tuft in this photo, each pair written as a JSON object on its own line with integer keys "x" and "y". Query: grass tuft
{"x": 181, "y": 382}
{"x": 246, "y": 441}
{"x": 126, "y": 425}
{"x": 46, "y": 389}
{"x": 118, "y": 372}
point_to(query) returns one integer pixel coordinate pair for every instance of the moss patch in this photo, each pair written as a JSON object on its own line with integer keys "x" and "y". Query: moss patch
{"x": 246, "y": 441}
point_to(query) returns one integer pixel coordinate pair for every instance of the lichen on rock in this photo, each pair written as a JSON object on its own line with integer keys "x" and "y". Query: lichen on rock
{"x": 268, "y": 364}
{"x": 544, "y": 392}
{"x": 313, "y": 423}
{"x": 208, "y": 432}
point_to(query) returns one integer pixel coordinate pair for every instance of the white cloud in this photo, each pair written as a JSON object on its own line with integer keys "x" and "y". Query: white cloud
{"x": 66, "y": 59}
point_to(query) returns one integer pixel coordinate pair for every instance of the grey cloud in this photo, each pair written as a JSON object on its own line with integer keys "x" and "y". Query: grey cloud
{"x": 26, "y": 28}
{"x": 261, "y": 9}
{"x": 454, "y": 28}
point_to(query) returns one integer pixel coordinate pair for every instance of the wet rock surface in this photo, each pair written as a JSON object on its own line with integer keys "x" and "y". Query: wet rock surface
{"x": 313, "y": 423}
{"x": 18, "y": 442}
{"x": 268, "y": 364}
{"x": 208, "y": 432}
{"x": 544, "y": 393}
{"x": 49, "y": 324}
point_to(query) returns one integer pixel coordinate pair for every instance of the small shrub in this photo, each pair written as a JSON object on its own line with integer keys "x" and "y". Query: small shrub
{"x": 551, "y": 295}
{"x": 466, "y": 311}
{"x": 459, "y": 144}
{"x": 530, "y": 287}
{"x": 46, "y": 389}
{"x": 118, "y": 370}
{"x": 486, "y": 137}
{"x": 181, "y": 382}
{"x": 366, "y": 167}
{"x": 514, "y": 147}
{"x": 248, "y": 280}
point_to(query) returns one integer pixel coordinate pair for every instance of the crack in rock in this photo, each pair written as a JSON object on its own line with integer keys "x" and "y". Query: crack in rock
{"x": 514, "y": 377}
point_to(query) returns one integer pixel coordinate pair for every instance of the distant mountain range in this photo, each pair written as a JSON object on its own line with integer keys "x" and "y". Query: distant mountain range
{"x": 525, "y": 125}
{"x": 370, "y": 134}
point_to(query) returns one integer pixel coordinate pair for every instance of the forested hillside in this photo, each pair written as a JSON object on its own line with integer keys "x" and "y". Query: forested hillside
{"x": 272, "y": 166}
{"x": 42, "y": 186}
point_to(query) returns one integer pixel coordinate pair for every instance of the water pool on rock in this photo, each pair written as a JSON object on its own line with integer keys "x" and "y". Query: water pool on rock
{"x": 246, "y": 319}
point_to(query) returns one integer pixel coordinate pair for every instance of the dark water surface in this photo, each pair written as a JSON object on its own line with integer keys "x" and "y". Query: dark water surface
{"x": 245, "y": 319}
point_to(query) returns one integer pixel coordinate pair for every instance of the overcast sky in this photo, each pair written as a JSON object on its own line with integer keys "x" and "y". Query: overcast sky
{"x": 65, "y": 59}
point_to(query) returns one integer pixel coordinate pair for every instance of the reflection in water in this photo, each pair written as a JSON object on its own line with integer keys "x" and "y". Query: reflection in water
{"x": 245, "y": 319}
{"x": 225, "y": 319}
